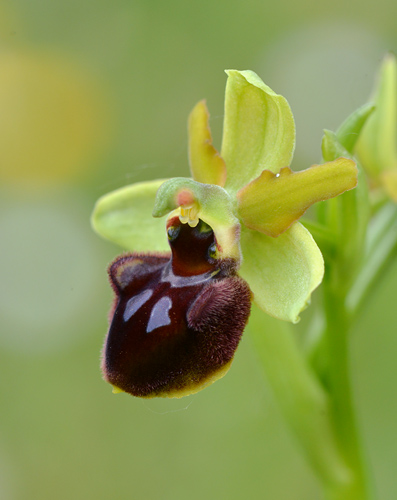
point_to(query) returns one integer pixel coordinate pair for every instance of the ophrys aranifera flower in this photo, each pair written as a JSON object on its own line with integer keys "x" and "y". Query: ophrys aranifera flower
{"x": 250, "y": 201}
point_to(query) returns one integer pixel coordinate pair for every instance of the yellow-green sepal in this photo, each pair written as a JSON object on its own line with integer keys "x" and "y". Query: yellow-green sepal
{"x": 125, "y": 217}
{"x": 258, "y": 129}
{"x": 208, "y": 202}
{"x": 282, "y": 272}
{"x": 273, "y": 202}
{"x": 206, "y": 164}
{"x": 377, "y": 145}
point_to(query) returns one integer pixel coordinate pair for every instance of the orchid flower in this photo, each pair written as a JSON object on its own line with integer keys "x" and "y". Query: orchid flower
{"x": 234, "y": 235}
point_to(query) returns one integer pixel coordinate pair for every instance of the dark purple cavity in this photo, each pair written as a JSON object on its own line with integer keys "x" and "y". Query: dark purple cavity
{"x": 177, "y": 319}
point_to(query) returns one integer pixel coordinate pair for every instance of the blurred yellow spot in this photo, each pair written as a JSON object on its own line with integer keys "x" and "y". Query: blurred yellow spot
{"x": 52, "y": 119}
{"x": 389, "y": 181}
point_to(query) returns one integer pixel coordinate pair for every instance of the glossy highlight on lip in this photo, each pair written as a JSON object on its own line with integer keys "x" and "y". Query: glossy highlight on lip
{"x": 182, "y": 281}
{"x": 177, "y": 318}
{"x": 160, "y": 315}
{"x": 135, "y": 303}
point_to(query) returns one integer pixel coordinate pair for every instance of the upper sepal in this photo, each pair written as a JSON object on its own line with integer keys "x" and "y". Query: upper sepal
{"x": 258, "y": 129}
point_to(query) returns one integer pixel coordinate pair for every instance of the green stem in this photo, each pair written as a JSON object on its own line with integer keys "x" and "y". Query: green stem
{"x": 337, "y": 381}
{"x": 302, "y": 399}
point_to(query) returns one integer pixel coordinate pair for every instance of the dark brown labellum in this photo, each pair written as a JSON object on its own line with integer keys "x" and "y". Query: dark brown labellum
{"x": 177, "y": 319}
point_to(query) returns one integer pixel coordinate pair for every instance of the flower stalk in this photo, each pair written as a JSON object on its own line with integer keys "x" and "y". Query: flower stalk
{"x": 337, "y": 380}
{"x": 303, "y": 400}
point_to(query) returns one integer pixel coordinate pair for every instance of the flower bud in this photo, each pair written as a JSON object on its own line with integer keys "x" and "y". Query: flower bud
{"x": 377, "y": 145}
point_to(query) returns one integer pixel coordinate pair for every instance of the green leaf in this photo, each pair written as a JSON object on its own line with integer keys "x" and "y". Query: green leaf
{"x": 206, "y": 165}
{"x": 281, "y": 272}
{"x": 273, "y": 202}
{"x": 381, "y": 251}
{"x": 125, "y": 217}
{"x": 258, "y": 129}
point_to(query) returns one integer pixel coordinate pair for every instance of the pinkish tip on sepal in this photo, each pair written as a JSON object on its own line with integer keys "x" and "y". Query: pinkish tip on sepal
{"x": 177, "y": 321}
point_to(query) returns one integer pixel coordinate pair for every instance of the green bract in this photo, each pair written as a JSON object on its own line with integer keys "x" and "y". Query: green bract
{"x": 377, "y": 145}
{"x": 248, "y": 195}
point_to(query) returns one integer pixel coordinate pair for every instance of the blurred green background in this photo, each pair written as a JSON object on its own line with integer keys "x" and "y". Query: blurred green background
{"x": 95, "y": 95}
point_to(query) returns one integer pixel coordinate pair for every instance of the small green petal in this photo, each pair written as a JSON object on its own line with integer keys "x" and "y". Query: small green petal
{"x": 376, "y": 147}
{"x": 349, "y": 132}
{"x": 258, "y": 129}
{"x": 281, "y": 272}
{"x": 125, "y": 217}
{"x": 206, "y": 165}
{"x": 273, "y": 202}
{"x": 210, "y": 203}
